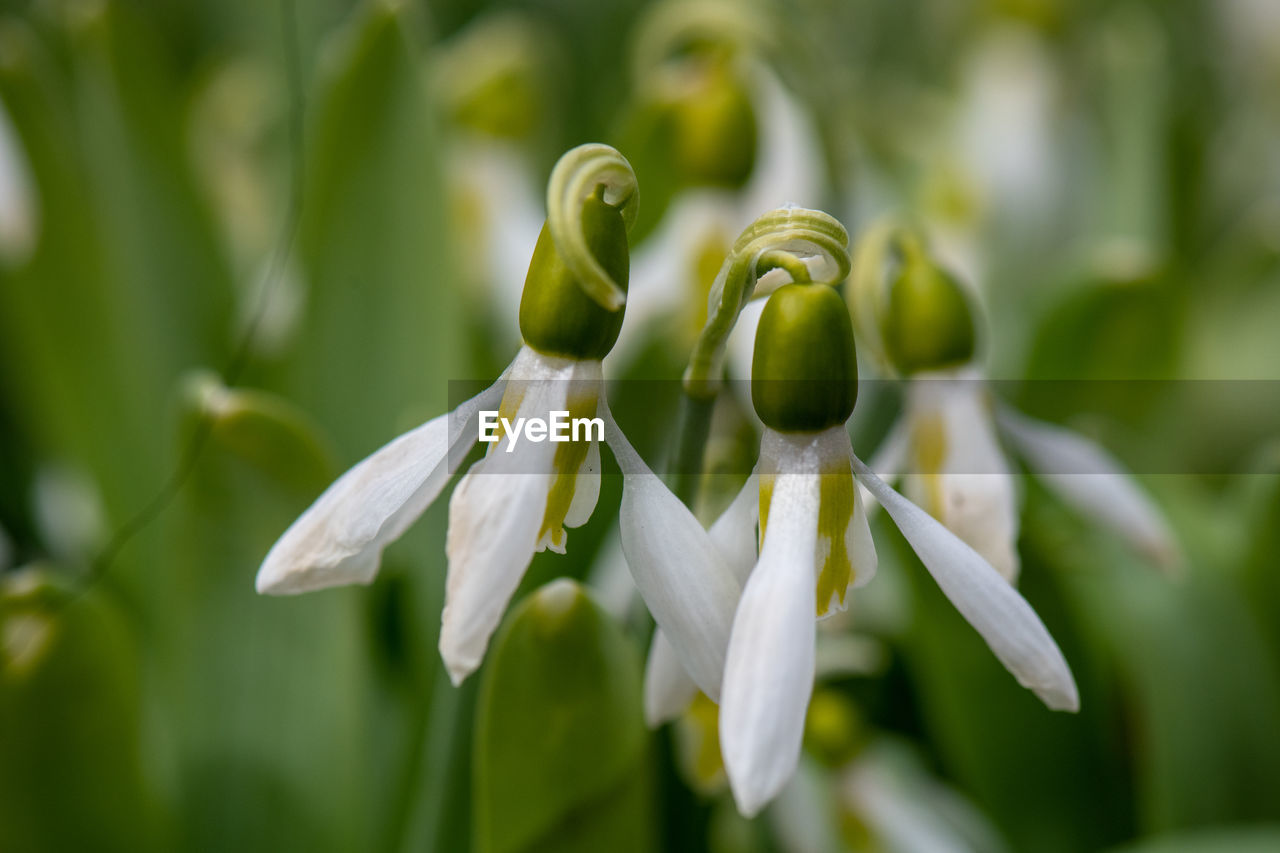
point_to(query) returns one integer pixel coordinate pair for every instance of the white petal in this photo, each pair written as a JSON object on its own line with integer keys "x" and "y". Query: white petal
{"x": 734, "y": 532}
{"x": 896, "y": 813}
{"x": 19, "y": 204}
{"x": 686, "y": 584}
{"x": 769, "y": 671}
{"x": 496, "y": 513}
{"x": 1092, "y": 482}
{"x": 668, "y": 689}
{"x": 971, "y": 490}
{"x": 888, "y": 461}
{"x": 495, "y": 176}
{"x": 339, "y": 539}
{"x": 993, "y": 607}
{"x": 859, "y": 544}
{"x": 825, "y": 458}
{"x": 586, "y": 489}
{"x": 788, "y": 169}
{"x": 494, "y": 518}
{"x": 610, "y": 580}
{"x": 739, "y": 352}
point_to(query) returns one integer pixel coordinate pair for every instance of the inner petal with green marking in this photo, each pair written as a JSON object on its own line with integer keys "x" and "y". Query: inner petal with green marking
{"x": 566, "y": 467}
{"x": 835, "y": 513}
{"x": 929, "y": 451}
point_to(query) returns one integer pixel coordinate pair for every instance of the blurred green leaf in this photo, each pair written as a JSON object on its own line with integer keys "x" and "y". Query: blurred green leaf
{"x": 378, "y": 339}
{"x": 70, "y": 759}
{"x": 560, "y": 747}
{"x": 268, "y": 697}
{"x": 1244, "y": 839}
{"x": 1021, "y": 763}
{"x": 1194, "y": 672}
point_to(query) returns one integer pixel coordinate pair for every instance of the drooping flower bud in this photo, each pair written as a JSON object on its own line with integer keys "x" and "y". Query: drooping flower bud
{"x": 928, "y": 323}
{"x": 496, "y": 77}
{"x": 713, "y": 126}
{"x": 557, "y": 316}
{"x": 911, "y": 313}
{"x": 804, "y": 373}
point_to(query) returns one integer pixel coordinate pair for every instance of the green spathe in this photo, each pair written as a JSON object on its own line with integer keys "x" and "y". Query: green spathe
{"x": 557, "y": 317}
{"x": 804, "y": 374}
{"x": 560, "y": 746}
{"x": 929, "y": 324}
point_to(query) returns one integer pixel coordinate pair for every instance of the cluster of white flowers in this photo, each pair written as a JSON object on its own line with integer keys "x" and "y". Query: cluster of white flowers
{"x": 736, "y": 605}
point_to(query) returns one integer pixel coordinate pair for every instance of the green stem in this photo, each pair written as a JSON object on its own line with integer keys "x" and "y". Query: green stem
{"x": 684, "y": 471}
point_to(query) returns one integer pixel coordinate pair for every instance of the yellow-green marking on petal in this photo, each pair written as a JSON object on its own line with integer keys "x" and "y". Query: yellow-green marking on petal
{"x": 929, "y": 448}
{"x": 835, "y": 512}
{"x": 567, "y": 462}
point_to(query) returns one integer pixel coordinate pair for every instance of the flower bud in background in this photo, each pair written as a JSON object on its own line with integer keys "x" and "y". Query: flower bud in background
{"x": 717, "y": 137}
{"x": 70, "y": 765}
{"x": 559, "y": 736}
{"x": 947, "y": 444}
{"x": 496, "y": 83}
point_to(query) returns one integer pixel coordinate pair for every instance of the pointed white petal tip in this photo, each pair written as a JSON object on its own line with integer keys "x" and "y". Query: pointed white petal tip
{"x": 458, "y": 673}
{"x": 457, "y": 662}
{"x": 770, "y": 665}
{"x": 1060, "y": 697}
{"x": 681, "y": 575}
{"x": 281, "y": 575}
{"x": 987, "y": 601}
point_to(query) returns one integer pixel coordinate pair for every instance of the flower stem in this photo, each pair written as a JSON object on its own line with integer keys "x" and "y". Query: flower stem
{"x": 684, "y": 468}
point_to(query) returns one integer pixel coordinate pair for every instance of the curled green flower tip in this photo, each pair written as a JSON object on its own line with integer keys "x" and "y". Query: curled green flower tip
{"x": 787, "y": 239}
{"x": 557, "y": 314}
{"x": 588, "y": 171}
{"x": 909, "y": 312}
{"x": 804, "y": 373}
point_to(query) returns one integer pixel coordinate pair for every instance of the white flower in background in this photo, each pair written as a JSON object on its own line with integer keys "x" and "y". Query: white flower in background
{"x": 946, "y": 447}
{"x": 712, "y": 150}
{"x": 522, "y": 495}
{"x": 500, "y": 218}
{"x": 755, "y": 652}
{"x": 494, "y": 81}
{"x": 235, "y": 117}
{"x": 19, "y": 203}
{"x": 882, "y": 799}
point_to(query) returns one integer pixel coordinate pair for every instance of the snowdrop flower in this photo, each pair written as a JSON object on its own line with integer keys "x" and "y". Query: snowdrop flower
{"x": 815, "y": 547}
{"x": 658, "y": 532}
{"x": 523, "y": 494}
{"x": 947, "y": 448}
